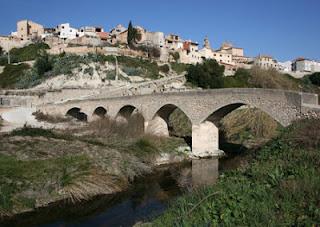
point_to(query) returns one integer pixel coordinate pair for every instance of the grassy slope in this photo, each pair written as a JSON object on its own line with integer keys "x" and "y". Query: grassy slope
{"x": 260, "y": 78}
{"x": 279, "y": 186}
{"x": 11, "y": 75}
{"x": 38, "y": 165}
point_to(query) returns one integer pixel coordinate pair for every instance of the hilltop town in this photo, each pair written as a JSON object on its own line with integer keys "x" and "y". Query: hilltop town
{"x": 97, "y": 123}
{"x": 156, "y": 45}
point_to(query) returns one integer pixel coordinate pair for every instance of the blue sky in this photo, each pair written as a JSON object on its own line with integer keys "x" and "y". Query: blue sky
{"x": 284, "y": 29}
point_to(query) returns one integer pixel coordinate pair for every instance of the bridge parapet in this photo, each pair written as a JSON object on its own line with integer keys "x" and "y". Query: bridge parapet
{"x": 310, "y": 99}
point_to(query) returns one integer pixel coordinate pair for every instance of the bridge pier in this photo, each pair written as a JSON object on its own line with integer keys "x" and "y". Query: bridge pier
{"x": 205, "y": 140}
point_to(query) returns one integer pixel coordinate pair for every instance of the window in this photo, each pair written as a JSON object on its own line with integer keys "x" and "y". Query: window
{"x": 62, "y": 27}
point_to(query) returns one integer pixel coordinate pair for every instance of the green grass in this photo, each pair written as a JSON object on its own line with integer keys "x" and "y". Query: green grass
{"x": 280, "y": 186}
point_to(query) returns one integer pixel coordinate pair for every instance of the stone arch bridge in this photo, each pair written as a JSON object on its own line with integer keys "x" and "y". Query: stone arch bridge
{"x": 204, "y": 108}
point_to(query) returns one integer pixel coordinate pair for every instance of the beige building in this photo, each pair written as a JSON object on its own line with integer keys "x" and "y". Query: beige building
{"x": 266, "y": 62}
{"x": 7, "y": 43}
{"x": 27, "y": 30}
{"x": 230, "y": 49}
{"x": 173, "y": 42}
{"x": 222, "y": 56}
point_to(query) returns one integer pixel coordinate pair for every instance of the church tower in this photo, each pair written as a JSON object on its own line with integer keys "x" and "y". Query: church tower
{"x": 206, "y": 43}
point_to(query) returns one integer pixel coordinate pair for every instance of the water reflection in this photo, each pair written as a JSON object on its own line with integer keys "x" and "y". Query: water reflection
{"x": 204, "y": 172}
{"x": 147, "y": 198}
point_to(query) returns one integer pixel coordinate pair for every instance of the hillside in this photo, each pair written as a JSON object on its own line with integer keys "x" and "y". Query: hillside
{"x": 81, "y": 71}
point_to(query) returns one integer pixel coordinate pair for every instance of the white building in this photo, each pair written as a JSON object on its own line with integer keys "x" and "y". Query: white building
{"x": 155, "y": 38}
{"x": 189, "y": 54}
{"x": 285, "y": 66}
{"x": 305, "y": 65}
{"x": 66, "y": 32}
{"x": 266, "y": 62}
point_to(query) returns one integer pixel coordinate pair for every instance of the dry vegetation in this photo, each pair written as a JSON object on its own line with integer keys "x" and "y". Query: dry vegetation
{"x": 38, "y": 166}
{"x": 249, "y": 126}
{"x": 271, "y": 78}
{"x": 49, "y": 118}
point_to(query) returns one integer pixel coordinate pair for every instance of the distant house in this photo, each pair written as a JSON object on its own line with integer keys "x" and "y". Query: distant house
{"x": 230, "y": 49}
{"x": 189, "y": 54}
{"x": 173, "y": 42}
{"x": 28, "y": 30}
{"x": 222, "y": 56}
{"x": 285, "y": 66}
{"x": 65, "y": 32}
{"x": 155, "y": 39}
{"x": 305, "y": 65}
{"x": 114, "y": 34}
{"x": 266, "y": 62}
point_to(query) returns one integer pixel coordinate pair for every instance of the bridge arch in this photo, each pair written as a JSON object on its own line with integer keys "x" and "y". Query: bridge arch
{"x": 127, "y": 111}
{"x": 221, "y": 111}
{"x": 132, "y": 117}
{"x": 76, "y": 113}
{"x": 161, "y": 124}
{"x": 100, "y": 112}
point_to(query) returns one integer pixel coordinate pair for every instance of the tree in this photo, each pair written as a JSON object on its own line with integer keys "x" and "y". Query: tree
{"x": 1, "y": 51}
{"x": 315, "y": 78}
{"x": 132, "y": 35}
{"x": 43, "y": 64}
{"x": 207, "y": 75}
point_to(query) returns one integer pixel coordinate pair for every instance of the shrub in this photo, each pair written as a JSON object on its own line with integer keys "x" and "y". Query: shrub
{"x": 151, "y": 69}
{"x": 12, "y": 74}
{"x": 179, "y": 67}
{"x": 209, "y": 74}
{"x": 315, "y": 78}
{"x": 164, "y": 68}
{"x": 240, "y": 79}
{"x": 27, "y": 53}
{"x": 43, "y": 64}
{"x": 29, "y": 79}
{"x": 175, "y": 55}
{"x": 89, "y": 71}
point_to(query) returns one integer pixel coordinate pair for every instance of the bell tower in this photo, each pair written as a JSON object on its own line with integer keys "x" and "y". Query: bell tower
{"x": 206, "y": 43}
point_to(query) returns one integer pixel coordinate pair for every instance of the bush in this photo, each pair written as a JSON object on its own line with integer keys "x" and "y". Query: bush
{"x": 164, "y": 68}
{"x": 28, "y": 53}
{"x": 315, "y": 78}
{"x": 209, "y": 74}
{"x": 179, "y": 67}
{"x": 12, "y": 74}
{"x": 43, "y": 64}
{"x": 175, "y": 55}
{"x": 151, "y": 69}
{"x": 240, "y": 79}
{"x": 29, "y": 79}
